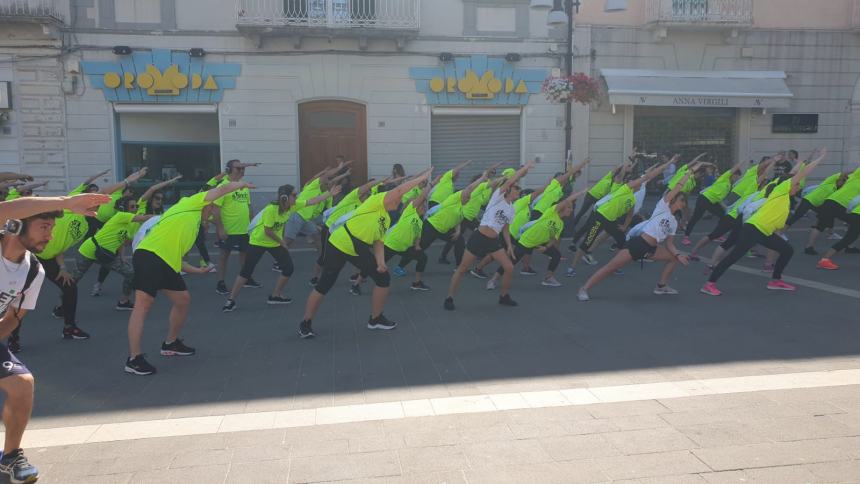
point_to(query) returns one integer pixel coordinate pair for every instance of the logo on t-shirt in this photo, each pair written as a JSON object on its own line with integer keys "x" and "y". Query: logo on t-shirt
{"x": 76, "y": 230}
{"x": 383, "y": 225}
{"x": 501, "y": 218}
{"x": 665, "y": 226}
{"x": 242, "y": 196}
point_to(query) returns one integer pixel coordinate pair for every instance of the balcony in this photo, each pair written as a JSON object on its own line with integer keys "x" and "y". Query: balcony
{"x": 44, "y": 12}
{"x": 396, "y": 19}
{"x": 717, "y": 14}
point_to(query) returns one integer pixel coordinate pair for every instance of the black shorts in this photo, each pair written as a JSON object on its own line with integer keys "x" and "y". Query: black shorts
{"x": 152, "y": 274}
{"x": 235, "y": 242}
{"x": 481, "y": 245}
{"x": 9, "y": 365}
{"x": 640, "y": 248}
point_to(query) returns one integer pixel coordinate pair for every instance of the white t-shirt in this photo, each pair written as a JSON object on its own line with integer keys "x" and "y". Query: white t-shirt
{"x": 12, "y": 279}
{"x": 499, "y": 212}
{"x": 662, "y": 222}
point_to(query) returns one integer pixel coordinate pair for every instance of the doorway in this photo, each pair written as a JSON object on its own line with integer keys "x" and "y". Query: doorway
{"x": 328, "y": 129}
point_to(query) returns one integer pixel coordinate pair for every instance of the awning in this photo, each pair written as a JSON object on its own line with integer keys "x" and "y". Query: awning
{"x": 701, "y": 89}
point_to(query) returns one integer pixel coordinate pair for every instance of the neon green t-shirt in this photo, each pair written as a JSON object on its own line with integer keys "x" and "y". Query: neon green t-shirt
{"x": 444, "y": 188}
{"x": 719, "y": 189}
{"x": 508, "y": 172}
{"x": 748, "y": 182}
{"x": 826, "y": 188}
{"x": 272, "y": 217}
{"x": 406, "y": 231}
{"x": 677, "y": 177}
{"x": 550, "y": 196}
{"x": 449, "y": 213}
{"x": 311, "y": 190}
{"x": 116, "y": 232}
{"x": 522, "y": 214}
{"x": 849, "y": 190}
{"x": 68, "y": 231}
{"x": 347, "y": 204}
{"x": 176, "y": 231}
{"x": 411, "y": 195}
{"x": 771, "y": 216}
{"x": 235, "y": 210}
{"x": 368, "y": 224}
{"x": 108, "y": 210}
{"x": 480, "y": 196}
{"x": 547, "y": 227}
{"x": 622, "y": 201}
{"x": 13, "y": 194}
{"x": 78, "y": 189}
{"x": 602, "y": 187}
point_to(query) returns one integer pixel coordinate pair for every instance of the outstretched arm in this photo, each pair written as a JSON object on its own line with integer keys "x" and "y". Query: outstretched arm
{"x": 457, "y": 169}
{"x": 570, "y": 199}
{"x": 652, "y": 173}
{"x": 221, "y": 190}
{"x": 325, "y": 196}
{"x": 27, "y": 207}
{"x": 158, "y": 186}
{"x": 95, "y": 177}
{"x": 125, "y": 183}
{"x": 516, "y": 177}
{"x": 799, "y": 176}
{"x": 678, "y": 186}
{"x": 393, "y": 196}
{"x": 467, "y": 192}
{"x": 8, "y": 176}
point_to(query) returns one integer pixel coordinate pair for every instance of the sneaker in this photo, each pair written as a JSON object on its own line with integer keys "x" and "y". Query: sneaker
{"x": 221, "y": 288}
{"x": 613, "y": 248}
{"x": 507, "y": 301}
{"x": 210, "y": 267}
{"x": 57, "y": 312}
{"x": 420, "y": 286}
{"x": 314, "y": 281}
{"x": 710, "y": 289}
{"x": 834, "y": 236}
{"x": 124, "y": 306}
{"x": 398, "y": 271}
{"x": 582, "y": 295}
{"x": 278, "y": 300}
{"x": 96, "y": 290}
{"x": 619, "y": 272}
{"x": 778, "y": 285}
{"x": 305, "y": 330}
{"x": 14, "y": 345}
{"x": 686, "y": 241}
{"x": 354, "y": 277}
{"x": 253, "y": 284}
{"x": 139, "y": 366}
{"x": 810, "y": 251}
{"x": 480, "y": 274}
{"x": 449, "y": 304}
{"x": 177, "y": 348}
{"x": 852, "y": 250}
{"x": 74, "y": 332}
{"x": 20, "y": 471}
{"x": 229, "y": 306}
{"x": 827, "y": 264}
{"x": 528, "y": 271}
{"x": 443, "y": 260}
{"x": 665, "y": 291}
{"x": 491, "y": 285}
{"x": 570, "y": 272}
{"x": 276, "y": 267}
{"x": 588, "y": 259}
{"x": 355, "y": 290}
{"x": 767, "y": 268}
{"x": 550, "y": 282}
{"x": 381, "y": 323}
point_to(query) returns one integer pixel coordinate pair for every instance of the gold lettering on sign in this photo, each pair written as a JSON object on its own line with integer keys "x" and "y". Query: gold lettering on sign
{"x": 157, "y": 83}
{"x": 473, "y": 87}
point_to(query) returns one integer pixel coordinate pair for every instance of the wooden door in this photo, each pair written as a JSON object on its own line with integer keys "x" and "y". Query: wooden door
{"x": 328, "y": 129}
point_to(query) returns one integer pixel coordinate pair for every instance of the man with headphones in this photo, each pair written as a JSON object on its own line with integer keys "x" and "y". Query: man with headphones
{"x": 232, "y": 216}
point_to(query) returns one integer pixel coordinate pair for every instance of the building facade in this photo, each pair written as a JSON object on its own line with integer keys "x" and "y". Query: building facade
{"x": 181, "y": 87}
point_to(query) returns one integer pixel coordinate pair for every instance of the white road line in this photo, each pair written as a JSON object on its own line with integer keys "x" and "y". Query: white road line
{"x": 115, "y": 432}
{"x": 842, "y": 291}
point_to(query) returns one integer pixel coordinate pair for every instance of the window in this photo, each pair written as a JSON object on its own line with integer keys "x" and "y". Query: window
{"x": 342, "y": 11}
{"x": 795, "y": 123}
{"x": 138, "y": 11}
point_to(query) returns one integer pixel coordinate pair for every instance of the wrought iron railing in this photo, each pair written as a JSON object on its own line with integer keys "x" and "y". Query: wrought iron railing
{"x": 373, "y": 14}
{"x": 30, "y": 9}
{"x": 701, "y": 12}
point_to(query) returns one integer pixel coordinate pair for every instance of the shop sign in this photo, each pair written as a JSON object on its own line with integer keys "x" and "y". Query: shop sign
{"x": 477, "y": 80}
{"x": 162, "y": 76}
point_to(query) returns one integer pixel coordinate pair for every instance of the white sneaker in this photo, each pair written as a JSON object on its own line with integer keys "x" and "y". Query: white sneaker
{"x": 550, "y": 282}
{"x": 570, "y": 272}
{"x": 491, "y": 285}
{"x": 211, "y": 267}
{"x": 834, "y": 236}
{"x": 665, "y": 291}
{"x": 97, "y": 290}
{"x": 582, "y": 295}
{"x": 589, "y": 260}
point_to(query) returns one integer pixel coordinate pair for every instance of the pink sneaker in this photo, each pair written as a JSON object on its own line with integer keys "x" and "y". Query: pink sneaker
{"x": 686, "y": 241}
{"x": 710, "y": 289}
{"x": 778, "y": 285}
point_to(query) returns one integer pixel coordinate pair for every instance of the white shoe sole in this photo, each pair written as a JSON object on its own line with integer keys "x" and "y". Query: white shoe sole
{"x": 279, "y": 303}
{"x": 175, "y": 353}
{"x": 378, "y": 327}
{"x": 135, "y": 372}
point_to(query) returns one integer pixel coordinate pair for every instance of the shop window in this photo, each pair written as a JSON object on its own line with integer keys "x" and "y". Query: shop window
{"x": 197, "y": 163}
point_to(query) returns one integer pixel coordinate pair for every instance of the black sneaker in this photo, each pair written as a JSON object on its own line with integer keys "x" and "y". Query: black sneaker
{"x": 253, "y": 284}
{"x": 314, "y": 281}
{"x": 355, "y": 290}
{"x": 381, "y": 323}
{"x": 810, "y": 251}
{"x": 74, "y": 332}
{"x": 14, "y": 345}
{"x": 276, "y": 267}
{"x": 852, "y": 250}
{"x": 279, "y": 300}
{"x": 19, "y": 470}
{"x": 139, "y": 366}
{"x": 57, "y": 312}
{"x": 305, "y": 330}
{"x": 478, "y": 273}
{"x": 221, "y": 288}
{"x": 229, "y": 306}
{"x": 443, "y": 260}
{"x": 420, "y": 286}
{"x": 507, "y": 301}
{"x": 572, "y": 247}
{"x": 449, "y": 304}
{"x": 354, "y": 278}
{"x": 177, "y": 348}
{"x": 125, "y": 306}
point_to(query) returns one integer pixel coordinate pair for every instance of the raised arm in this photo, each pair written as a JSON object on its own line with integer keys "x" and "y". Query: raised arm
{"x": 651, "y": 173}
{"x": 32, "y": 186}
{"x": 457, "y": 169}
{"x": 800, "y": 175}
{"x": 27, "y": 207}
{"x": 466, "y": 194}
{"x": 678, "y": 187}
{"x": 335, "y": 191}
{"x": 95, "y": 177}
{"x": 158, "y": 186}
{"x": 363, "y": 189}
{"x": 393, "y": 196}
{"x": 227, "y": 188}
{"x": 570, "y": 199}
{"x": 109, "y": 189}
{"x": 516, "y": 176}
{"x": 337, "y": 179}
{"x": 9, "y": 176}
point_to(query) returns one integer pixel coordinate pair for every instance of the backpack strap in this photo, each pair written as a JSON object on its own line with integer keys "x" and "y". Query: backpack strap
{"x": 31, "y": 274}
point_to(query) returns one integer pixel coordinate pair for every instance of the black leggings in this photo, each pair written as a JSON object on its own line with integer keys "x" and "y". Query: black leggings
{"x": 703, "y": 205}
{"x": 430, "y": 234}
{"x": 324, "y": 234}
{"x": 255, "y": 253}
{"x": 465, "y": 224}
{"x": 405, "y": 258}
{"x": 365, "y": 262}
{"x": 586, "y": 204}
{"x": 734, "y": 234}
{"x": 828, "y": 212}
{"x": 200, "y": 243}
{"x": 520, "y": 251}
{"x": 724, "y": 225}
{"x": 598, "y": 223}
{"x": 804, "y": 207}
{"x": 69, "y": 293}
{"x": 750, "y": 236}
{"x": 852, "y": 234}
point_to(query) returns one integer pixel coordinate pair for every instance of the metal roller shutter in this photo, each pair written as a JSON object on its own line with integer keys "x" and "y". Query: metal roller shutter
{"x": 483, "y": 139}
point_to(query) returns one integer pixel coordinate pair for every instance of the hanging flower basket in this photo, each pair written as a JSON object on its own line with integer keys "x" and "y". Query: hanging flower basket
{"x": 577, "y": 88}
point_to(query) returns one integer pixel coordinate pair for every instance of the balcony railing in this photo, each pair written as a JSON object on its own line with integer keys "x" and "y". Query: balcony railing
{"x": 700, "y": 12}
{"x": 30, "y": 10}
{"x": 330, "y": 14}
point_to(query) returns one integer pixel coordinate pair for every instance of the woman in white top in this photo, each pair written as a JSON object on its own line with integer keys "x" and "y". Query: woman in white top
{"x": 645, "y": 242}
{"x": 487, "y": 239}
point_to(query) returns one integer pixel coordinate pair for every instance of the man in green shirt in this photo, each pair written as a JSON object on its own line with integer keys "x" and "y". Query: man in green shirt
{"x": 232, "y": 215}
{"x": 834, "y": 207}
{"x": 710, "y": 199}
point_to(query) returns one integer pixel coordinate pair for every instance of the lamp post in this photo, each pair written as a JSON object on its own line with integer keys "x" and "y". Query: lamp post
{"x": 557, "y": 17}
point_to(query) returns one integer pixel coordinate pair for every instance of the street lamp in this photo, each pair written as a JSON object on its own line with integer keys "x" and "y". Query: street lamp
{"x": 557, "y": 17}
